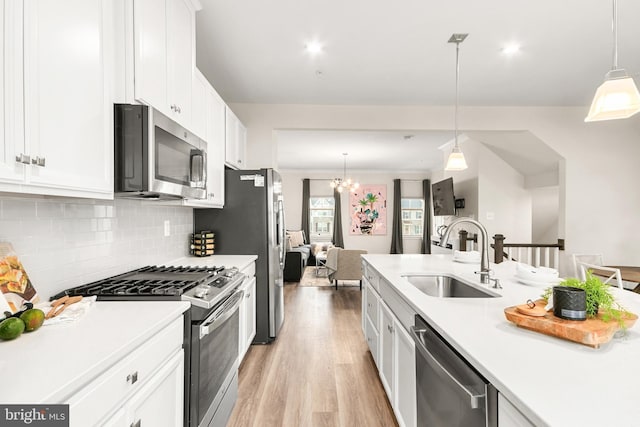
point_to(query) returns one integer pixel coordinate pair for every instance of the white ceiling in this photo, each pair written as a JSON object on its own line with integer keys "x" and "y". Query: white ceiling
{"x": 396, "y": 53}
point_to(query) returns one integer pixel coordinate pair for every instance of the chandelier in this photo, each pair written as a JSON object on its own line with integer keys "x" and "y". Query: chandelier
{"x": 344, "y": 183}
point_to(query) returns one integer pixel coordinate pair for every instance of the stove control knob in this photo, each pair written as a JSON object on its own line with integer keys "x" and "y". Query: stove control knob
{"x": 201, "y": 293}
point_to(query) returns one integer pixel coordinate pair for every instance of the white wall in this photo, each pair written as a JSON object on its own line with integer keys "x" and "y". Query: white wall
{"x": 599, "y": 210}
{"x": 319, "y": 186}
{"x": 544, "y": 216}
{"x": 69, "y": 242}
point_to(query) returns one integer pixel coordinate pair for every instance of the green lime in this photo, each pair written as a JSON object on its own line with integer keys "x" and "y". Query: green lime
{"x": 33, "y": 319}
{"x": 11, "y": 328}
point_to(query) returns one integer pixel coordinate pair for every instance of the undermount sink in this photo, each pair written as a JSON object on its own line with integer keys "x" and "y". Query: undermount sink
{"x": 444, "y": 286}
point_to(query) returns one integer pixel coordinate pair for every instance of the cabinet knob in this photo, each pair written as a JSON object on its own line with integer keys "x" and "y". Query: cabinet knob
{"x": 239, "y": 161}
{"x": 38, "y": 161}
{"x": 390, "y": 328}
{"x": 173, "y": 107}
{"x": 212, "y": 195}
{"x": 178, "y": 109}
{"x": 133, "y": 377}
{"x": 23, "y": 158}
{"x": 247, "y": 296}
{"x": 137, "y": 423}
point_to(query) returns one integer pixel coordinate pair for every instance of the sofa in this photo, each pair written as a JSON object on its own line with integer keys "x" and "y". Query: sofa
{"x": 297, "y": 257}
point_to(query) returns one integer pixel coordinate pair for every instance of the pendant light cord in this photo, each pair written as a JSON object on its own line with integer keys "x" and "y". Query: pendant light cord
{"x": 614, "y": 25}
{"x": 455, "y": 119}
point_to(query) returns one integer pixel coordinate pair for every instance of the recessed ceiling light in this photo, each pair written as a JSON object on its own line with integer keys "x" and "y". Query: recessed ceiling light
{"x": 511, "y": 49}
{"x": 314, "y": 47}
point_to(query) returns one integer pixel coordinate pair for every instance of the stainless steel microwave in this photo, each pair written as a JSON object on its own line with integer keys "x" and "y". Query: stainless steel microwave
{"x": 155, "y": 158}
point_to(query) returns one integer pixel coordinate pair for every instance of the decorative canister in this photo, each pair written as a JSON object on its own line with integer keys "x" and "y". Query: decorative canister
{"x": 569, "y": 303}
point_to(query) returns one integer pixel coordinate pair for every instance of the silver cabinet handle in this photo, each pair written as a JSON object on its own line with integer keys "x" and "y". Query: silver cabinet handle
{"x": 23, "y": 158}
{"x": 390, "y": 329}
{"x": 38, "y": 161}
{"x": 212, "y": 195}
{"x": 239, "y": 161}
{"x": 133, "y": 377}
{"x": 179, "y": 110}
{"x": 137, "y": 423}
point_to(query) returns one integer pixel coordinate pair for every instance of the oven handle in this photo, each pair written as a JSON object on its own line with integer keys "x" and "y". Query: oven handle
{"x": 219, "y": 316}
{"x": 475, "y": 400}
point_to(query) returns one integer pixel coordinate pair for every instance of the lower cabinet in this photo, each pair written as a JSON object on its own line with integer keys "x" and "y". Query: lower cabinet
{"x": 393, "y": 351}
{"x": 144, "y": 388}
{"x": 247, "y": 316}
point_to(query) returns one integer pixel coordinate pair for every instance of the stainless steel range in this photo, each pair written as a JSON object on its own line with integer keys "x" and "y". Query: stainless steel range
{"x": 211, "y": 328}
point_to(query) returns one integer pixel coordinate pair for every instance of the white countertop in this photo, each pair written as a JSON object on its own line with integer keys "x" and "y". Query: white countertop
{"x": 552, "y": 381}
{"x": 47, "y": 365}
{"x": 239, "y": 261}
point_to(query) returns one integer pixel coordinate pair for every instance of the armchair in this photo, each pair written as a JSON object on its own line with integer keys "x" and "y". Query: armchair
{"x": 344, "y": 264}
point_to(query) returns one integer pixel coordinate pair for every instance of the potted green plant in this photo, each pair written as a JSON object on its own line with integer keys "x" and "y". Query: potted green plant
{"x": 599, "y": 299}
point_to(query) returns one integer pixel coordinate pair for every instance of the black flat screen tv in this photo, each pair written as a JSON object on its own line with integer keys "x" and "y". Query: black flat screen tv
{"x": 443, "y": 198}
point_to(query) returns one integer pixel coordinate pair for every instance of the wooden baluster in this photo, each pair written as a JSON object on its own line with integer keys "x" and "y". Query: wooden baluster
{"x": 498, "y": 248}
{"x": 537, "y": 262}
{"x": 463, "y": 239}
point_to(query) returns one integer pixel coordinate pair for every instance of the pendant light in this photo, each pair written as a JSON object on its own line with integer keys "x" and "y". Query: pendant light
{"x": 456, "y": 161}
{"x": 617, "y": 97}
{"x": 344, "y": 183}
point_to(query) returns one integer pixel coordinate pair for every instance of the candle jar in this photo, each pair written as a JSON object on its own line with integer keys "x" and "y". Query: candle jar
{"x": 569, "y": 303}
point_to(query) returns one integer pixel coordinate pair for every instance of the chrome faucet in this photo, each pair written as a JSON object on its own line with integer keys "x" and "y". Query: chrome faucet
{"x": 484, "y": 255}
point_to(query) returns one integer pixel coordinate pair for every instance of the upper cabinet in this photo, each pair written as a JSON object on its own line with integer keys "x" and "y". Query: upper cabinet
{"x": 236, "y": 142}
{"x": 57, "y": 98}
{"x": 213, "y": 109}
{"x": 164, "y": 56}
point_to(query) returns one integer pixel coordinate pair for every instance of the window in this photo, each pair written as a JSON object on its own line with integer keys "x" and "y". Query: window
{"x": 321, "y": 217}
{"x": 412, "y": 212}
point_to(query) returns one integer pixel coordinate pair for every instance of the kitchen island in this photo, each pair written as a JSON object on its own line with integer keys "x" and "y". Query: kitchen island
{"x": 549, "y": 380}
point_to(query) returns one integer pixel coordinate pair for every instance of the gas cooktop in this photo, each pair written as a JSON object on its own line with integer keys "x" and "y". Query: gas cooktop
{"x": 202, "y": 286}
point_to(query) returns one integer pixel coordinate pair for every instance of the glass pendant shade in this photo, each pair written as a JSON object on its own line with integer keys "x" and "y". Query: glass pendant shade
{"x": 341, "y": 183}
{"x": 616, "y": 98}
{"x": 456, "y": 161}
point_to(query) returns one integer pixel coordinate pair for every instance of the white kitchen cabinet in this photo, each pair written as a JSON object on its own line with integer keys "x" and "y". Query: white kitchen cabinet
{"x": 215, "y": 137}
{"x": 509, "y": 415}
{"x": 164, "y": 56}
{"x": 247, "y": 316}
{"x": 236, "y": 141}
{"x": 405, "y": 377}
{"x": 199, "y": 105}
{"x": 151, "y": 376}
{"x": 391, "y": 345}
{"x": 57, "y": 98}
{"x": 386, "y": 349}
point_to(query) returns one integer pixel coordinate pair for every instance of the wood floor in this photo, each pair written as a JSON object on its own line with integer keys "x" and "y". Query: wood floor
{"x": 318, "y": 371}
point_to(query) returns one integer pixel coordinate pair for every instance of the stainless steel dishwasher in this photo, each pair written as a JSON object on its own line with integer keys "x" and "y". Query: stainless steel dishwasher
{"x": 449, "y": 391}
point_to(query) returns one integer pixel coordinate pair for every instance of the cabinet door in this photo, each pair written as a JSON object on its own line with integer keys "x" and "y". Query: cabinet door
{"x": 250, "y": 324}
{"x": 180, "y": 59}
{"x": 150, "y": 35}
{"x": 405, "y": 377}
{"x": 363, "y": 309}
{"x": 160, "y": 402}
{"x": 371, "y": 334}
{"x": 231, "y": 142}
{"x": 199, "y": 105}
{"x": 241, "y": 148}
{"x": 67, "y": 94}
{"x": 215, "y": 148}
{"x": 386, "y": 349}
{"x": 509, "y": 415}
{"x": 11, "y": 109}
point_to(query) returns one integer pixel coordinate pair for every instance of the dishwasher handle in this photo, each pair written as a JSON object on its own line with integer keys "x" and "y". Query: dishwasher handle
{"x": 475, "y": 400}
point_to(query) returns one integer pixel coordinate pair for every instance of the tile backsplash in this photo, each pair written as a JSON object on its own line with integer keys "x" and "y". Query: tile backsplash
{"x": 69, "y": 242}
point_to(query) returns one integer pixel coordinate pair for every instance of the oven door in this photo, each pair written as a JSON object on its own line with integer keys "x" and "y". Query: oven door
{"x": 214, "y": 359}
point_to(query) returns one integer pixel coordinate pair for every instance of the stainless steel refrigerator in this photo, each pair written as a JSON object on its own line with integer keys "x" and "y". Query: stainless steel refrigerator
{"x": 252, "y": 223}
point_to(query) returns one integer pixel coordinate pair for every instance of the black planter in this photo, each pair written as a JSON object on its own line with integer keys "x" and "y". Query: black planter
{"x": 569, "y": 303}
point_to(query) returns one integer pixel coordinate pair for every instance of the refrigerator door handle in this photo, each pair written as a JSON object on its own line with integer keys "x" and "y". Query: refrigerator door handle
{"x": 281, "y": 232}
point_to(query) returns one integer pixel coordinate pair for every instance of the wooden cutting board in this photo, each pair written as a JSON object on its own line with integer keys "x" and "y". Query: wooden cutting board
{"x": 591, "y": 332}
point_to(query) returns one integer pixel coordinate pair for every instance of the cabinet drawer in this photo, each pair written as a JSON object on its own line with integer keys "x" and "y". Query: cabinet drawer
{"x": 372, "y": 306}
{"x": 372, "y": 340}
{"x": 92, "y": 403}
{"x": 373, "y": 277}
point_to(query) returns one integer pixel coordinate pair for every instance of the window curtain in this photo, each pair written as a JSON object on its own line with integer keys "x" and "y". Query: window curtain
{"x": 396, "y": 227}
{"x": 425, "y": 248}
{"x": 305, "y": 209}
{"x": 337, "y": 220}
